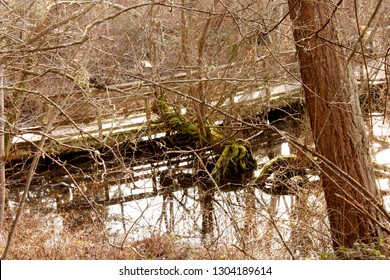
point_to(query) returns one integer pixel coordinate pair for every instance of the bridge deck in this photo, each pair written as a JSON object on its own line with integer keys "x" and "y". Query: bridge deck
{"x": 138, "y": 126}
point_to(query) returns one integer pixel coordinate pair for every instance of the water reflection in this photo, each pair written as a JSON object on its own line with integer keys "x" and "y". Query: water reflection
{"x": 247, "y": 217}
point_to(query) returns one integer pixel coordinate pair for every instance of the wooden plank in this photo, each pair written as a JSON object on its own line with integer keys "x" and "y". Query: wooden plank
{"x": 68, "y": 139}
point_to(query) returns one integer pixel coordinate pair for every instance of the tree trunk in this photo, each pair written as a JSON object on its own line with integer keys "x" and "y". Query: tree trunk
{"x": 336, "y": 122}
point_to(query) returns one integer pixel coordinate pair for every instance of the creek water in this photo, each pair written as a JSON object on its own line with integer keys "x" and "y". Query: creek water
{"x": 235, "y": 220}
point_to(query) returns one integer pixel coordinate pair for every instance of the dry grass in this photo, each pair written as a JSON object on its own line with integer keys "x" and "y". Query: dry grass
{"x": 37, "y": 238}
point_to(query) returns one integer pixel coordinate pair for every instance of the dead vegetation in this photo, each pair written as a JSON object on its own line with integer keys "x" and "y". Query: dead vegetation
{"x": 77, "y": 62}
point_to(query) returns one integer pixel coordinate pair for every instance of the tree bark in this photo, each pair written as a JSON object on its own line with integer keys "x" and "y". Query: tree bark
{"x": 336, "y": 123}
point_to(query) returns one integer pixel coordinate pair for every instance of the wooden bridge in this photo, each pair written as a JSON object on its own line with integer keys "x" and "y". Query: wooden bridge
{"x": 108, "y": 131}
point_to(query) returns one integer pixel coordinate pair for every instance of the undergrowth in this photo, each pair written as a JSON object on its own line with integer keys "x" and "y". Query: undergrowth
{"x": 37, "y": 238}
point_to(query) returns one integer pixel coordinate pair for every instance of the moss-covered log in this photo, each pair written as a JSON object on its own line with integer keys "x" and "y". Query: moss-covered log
{"x": 236, "y": 162}
{"x": 283, "y": 168}
{"x": 177, "y": 121}
{"x": 276, "y": 162}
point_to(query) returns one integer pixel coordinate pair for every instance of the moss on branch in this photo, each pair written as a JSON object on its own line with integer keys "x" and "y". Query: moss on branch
{"x": 235, "y": 162}
{"x": 177, "y": 121}
{"x": 283, "y": 168}
{"x": 277, "y": 161}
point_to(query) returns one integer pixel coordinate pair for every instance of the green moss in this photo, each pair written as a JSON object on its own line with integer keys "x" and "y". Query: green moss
{"x": 178, "y": 122}
{"x": 235, "y": 161}
{"x": 190, "y": 128}
{"x": 359, "y": 251}
{"x": 266, "y": 171}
